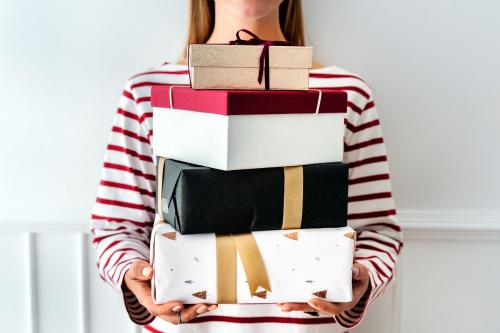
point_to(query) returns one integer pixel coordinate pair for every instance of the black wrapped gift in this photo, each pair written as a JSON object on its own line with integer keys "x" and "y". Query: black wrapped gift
{"x": 196, "y": 199}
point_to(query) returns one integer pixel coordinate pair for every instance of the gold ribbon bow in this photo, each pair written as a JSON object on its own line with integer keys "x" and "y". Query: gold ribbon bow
{"x": 227, "y": 245}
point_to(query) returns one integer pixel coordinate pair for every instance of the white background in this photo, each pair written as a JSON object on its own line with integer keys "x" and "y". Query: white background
{"x": 432, "y": 64}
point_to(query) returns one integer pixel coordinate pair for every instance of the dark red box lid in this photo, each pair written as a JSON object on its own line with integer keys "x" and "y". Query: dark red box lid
{"x": 245, "y": 102}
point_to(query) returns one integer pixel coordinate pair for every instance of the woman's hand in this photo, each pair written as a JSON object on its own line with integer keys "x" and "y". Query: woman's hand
{"x": 360, "y": 284}
{"x": 138, "y": 281}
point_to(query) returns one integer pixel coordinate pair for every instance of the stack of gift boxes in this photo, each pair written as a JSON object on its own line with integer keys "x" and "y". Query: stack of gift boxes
{"x": 251, "y": 191}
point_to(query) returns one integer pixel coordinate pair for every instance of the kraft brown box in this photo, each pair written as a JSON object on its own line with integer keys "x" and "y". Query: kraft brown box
{"x": 219, "y": 66}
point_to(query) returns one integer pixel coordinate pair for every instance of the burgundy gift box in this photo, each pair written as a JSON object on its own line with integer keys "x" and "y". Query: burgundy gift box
{"x": 246, "y": 102}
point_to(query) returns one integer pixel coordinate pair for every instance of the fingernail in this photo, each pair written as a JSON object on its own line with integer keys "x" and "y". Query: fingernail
{"x": 146, "y": 271}
{"x": 201, "y": 309}
{"x": 355, "y": 271}
{"x": 212, "y": 307}
{"x": 177, "y": 308}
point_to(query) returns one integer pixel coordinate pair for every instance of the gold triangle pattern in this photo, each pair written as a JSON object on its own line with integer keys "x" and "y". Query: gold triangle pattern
{"x": 321, "y": 293}
{"x": 201, "y": 294}
{"x": 170, "y": 235}
{"x": 292, "y": 235}
{"x": 261, "y": 294}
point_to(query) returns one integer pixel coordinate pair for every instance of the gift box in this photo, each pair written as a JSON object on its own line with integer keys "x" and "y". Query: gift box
{"x": 259, "y": 267}
{"x": 236, "y": 129}
{"x": 196, "y": 199}
{"x": 213, "y": 66}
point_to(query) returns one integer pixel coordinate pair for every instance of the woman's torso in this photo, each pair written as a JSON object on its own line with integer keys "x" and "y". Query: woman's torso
{"x": 246, "y": 318}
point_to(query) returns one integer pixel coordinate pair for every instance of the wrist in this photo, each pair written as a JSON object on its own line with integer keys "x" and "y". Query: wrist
{"x": 368, "y": 290}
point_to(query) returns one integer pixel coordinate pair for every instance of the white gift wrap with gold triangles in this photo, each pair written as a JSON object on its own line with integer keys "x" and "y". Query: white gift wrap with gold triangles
{"x": 299, "y": 263}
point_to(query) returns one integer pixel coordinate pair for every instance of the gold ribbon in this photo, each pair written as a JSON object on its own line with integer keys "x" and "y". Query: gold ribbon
{"x": 226, "y": 269}
{"x": 293, "y": 197}
{"x": 253, "y": 264}
{"x": 159, "y": 184}
{"x": 227, "y": 245}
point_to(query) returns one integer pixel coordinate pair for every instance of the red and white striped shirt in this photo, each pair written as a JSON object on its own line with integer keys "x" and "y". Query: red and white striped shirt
{"x": 123, "y": 214}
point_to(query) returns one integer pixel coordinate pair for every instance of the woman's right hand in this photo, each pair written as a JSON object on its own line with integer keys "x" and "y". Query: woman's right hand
{"x": 138, "y": 281}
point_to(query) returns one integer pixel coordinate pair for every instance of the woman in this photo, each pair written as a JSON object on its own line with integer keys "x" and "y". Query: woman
{"x": 124, "y": 210}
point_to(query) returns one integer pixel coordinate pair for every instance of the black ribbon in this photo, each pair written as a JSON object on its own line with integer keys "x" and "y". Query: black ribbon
{"x": 264, "y": 56}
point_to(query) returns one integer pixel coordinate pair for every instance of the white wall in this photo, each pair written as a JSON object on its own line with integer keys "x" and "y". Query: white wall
{"x": 434, "y": 68}
{"x": 63, "y": 66}
{"x": 432, "y": 65}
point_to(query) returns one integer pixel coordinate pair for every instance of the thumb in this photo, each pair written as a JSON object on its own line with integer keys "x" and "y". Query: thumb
{"x": 141, "y": 270}
{"x": 359, "y": 272}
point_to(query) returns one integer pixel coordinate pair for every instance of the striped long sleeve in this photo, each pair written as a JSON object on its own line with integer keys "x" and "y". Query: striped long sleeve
{"x": 371, "y": 209}
{"x": 124, "y": 209}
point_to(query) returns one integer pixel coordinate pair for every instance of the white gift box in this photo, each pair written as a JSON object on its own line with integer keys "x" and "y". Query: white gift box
{"x": 300, "y": 264}
{"x": 231, "y": 130}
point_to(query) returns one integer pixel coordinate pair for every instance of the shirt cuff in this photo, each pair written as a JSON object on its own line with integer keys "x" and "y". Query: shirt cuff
{"x": 353, "y": 317}
{"x": 137, "y": 313}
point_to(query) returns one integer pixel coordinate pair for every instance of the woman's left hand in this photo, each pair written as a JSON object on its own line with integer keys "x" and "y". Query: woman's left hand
{"x": 360, "y": 284}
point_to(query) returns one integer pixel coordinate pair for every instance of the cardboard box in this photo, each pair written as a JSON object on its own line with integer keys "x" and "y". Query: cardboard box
{"x": 231, "y": 129}
{"x": 217, "y": 66}
{"x": 196, "y": 199}
{"x": 297, "y": 265}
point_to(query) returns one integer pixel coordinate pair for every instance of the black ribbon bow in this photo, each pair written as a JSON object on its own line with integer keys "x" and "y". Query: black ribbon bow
{"x": 264, "y": 56}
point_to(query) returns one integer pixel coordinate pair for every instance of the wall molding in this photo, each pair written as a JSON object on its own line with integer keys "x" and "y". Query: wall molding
{"x": 30, "y": 229}
{"x": 450, "y": 225}
{"x": 450, "y": 220}
{"x": 416, "y": 224}
{"x": 30, "y": 283}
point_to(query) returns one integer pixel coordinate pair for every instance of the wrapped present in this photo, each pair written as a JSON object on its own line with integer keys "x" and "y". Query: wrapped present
{"x": 196, "y": 199}
{"x": 259, "y": 267}
{"x": 235, "y": 129}
{"x": 250, "y": 64}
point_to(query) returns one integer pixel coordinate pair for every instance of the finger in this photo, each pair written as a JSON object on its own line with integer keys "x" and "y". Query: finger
{"x": 213, "y": 307}
{"x": 327, "y": 307}
{"x": 170, "y": 319}
{"x": 142, "y": 291}
{"x": 166, "y": 309}
{"x": 359, "y": 272}
{"x": 194, "y": 311}
{"x": 287, "y": 307}
{"x": 141, "y": 270}
{"x": 143, "y": 294}
{"x": 187, "y": 315}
